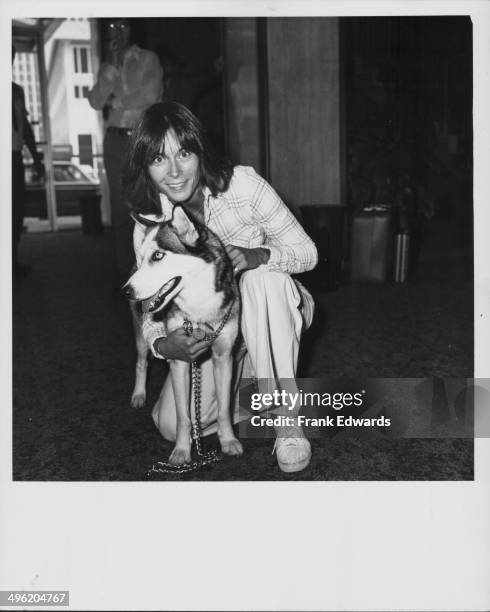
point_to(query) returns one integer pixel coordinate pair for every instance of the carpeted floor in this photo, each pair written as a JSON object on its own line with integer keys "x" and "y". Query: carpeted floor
{"x": 73, "y": 361}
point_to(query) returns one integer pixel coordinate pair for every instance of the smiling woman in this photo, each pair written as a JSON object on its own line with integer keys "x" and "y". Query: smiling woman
{"x": 175, "y": 171}
{"x": 172, "y": 167}
{"x": 168, "y": 148}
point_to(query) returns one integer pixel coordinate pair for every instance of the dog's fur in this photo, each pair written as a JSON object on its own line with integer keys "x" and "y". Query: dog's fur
{"x": 185, "y": 272}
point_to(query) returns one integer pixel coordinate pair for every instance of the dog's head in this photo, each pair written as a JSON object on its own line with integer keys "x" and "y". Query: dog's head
{"x": 168, "y": 260}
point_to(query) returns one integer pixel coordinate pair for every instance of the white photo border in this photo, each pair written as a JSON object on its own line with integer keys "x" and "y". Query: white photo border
{"x": 264, "y": 545}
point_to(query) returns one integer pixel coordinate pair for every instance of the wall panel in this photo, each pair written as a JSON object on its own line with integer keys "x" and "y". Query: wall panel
{"x": 304, "y": 109}
{"x": 240, "y": 41}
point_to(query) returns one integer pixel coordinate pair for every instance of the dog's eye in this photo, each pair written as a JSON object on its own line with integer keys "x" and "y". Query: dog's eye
{"x": 157, "y": 255}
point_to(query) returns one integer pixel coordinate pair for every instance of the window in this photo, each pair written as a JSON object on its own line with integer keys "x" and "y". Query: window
{"x": 81, "y": 91}
{"x": 81, "y": 59}
{"x": 84, "y": 57}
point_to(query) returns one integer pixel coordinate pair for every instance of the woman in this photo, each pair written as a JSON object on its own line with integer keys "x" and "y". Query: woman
{"x": 170, "y": 162}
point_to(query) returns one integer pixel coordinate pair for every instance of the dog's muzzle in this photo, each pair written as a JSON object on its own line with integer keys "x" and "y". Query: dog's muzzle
{"x": 153, "y": 303}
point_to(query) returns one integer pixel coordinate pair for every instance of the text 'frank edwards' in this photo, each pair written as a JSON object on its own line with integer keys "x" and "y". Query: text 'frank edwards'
{"x": 300, "y": 399}
{"x": 339, "y": 421}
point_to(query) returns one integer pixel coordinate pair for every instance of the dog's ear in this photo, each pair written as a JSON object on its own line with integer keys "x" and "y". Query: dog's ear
{"x": 147, "y": 220}
{"x": 184, "y": 226}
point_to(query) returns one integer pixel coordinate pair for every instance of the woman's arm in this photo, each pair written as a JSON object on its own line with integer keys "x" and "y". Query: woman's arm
{"x": 176, "y": 345}
{"x": 291, "y": 249}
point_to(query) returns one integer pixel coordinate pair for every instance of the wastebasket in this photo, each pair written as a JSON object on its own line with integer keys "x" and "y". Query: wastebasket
{"x": 371, "y": 244}
{"x": 90, "y": 212}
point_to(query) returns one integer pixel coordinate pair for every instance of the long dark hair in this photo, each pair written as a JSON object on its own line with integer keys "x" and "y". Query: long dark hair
{"x": 145, "y": 144}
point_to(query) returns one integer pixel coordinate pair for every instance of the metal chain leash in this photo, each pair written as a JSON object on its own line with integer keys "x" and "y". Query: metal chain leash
{"x": 203, "y": 459}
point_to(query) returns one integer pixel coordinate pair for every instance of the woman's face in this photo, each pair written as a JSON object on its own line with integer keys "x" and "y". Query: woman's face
{"x": 175, "y": 172}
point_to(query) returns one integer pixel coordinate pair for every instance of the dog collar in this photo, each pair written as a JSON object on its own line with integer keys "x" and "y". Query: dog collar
{"x": 199, "y": 334}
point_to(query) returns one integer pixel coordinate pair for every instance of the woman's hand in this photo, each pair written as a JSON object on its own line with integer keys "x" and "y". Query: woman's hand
{"x": 247, "y": 259}
{"x": 178, "y": 345}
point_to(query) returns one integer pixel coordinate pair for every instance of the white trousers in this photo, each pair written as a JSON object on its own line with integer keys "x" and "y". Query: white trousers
{"x": 275, "y": 310}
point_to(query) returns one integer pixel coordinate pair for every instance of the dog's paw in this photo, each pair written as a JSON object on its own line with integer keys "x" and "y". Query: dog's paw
{"x": 138, "y": 400}
{"x": 231, "y": 447}
{"x": 179, "y": 456}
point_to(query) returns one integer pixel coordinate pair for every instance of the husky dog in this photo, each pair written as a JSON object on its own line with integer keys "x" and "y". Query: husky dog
{"x": 186, "y": 276}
